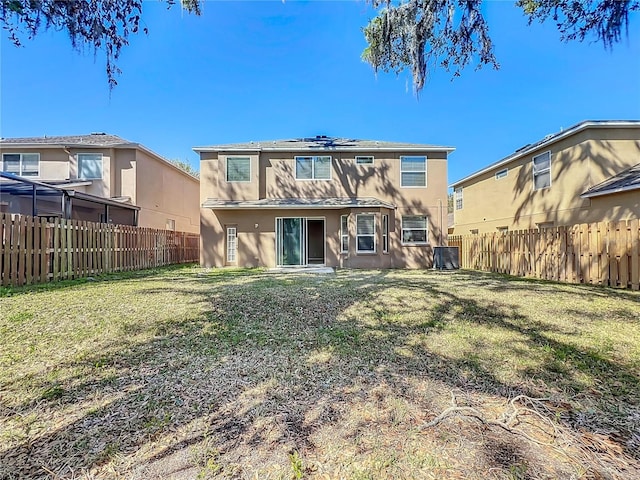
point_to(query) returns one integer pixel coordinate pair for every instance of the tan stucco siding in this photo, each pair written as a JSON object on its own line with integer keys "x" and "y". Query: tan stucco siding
{"x": 124, "y": 174}
{"x": 256, "y": 237}
{"x": 614, "y": 207}
{"x": 273, "y": 176}
{"x": 577, "y": 163}
{"x": 216, "y": 178}
{"x": 165, "y": 193}
{"x": 380, "y": 180}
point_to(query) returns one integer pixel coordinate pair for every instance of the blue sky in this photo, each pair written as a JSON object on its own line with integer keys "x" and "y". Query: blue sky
{"x": 268, "y": 70}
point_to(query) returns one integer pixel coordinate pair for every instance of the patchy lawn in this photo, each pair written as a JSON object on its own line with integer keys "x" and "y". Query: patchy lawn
{"x": 184, "y": 373}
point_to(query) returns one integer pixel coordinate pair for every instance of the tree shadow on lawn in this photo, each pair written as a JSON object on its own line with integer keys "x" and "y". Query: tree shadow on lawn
{"x": 273, "y": 361}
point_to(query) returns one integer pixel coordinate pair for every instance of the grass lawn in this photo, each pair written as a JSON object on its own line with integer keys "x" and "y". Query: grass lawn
{"x": 186, "y": 373}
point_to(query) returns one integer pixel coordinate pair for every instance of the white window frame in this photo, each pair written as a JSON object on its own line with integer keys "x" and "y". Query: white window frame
{"x": 426, "y": 230}
{"x": 414, "y": 171}
{"x": 365, "y": 160}
{"x": 375, "y": 243}
{"x": 21, "y": 168}
{"x": 344, "y": 233}
{"x": 226, "y": 171}
{"x": 500, "y": 174}
{"x": 385, "y": 233}
{"x": 170, "y": 224}
{"x": 458, "y": 198}
{"x": 536, "y": 173}
{"x": 78, "y": 155}
{"x": 313, "y": 158}
{"x": 232, "y": 244}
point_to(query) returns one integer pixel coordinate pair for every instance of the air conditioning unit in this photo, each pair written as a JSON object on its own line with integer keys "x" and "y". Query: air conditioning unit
{"x": 446, "y": 258}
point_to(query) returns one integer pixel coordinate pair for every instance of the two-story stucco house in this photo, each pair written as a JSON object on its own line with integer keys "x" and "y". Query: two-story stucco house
{"x": 105, "y": 166}
{"x": 587, "y": 173}
{"x": 322, "y": 201}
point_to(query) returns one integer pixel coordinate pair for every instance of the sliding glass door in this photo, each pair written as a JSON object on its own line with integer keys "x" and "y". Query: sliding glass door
{"x": 290, "y": 241}
{"x": 300, "y": 241}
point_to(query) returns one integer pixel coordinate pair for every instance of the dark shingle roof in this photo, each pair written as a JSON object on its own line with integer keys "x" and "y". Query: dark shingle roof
{"x": 96, "y": 139}
{"x": 320, "y": 142}
{"x": 275, "y": 203}
{"x": 626, "y": 180}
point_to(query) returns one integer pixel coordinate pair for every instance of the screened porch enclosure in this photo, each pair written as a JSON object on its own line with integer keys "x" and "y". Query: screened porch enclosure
{"x": 300, "y": 241}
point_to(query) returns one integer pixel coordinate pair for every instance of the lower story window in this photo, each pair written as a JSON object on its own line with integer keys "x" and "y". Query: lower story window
{"x": 344, "y": 233}
{"x": 414, "y": 229}
{"x": 232, "y": 244}
{"x": 366, "y": 233}
{"x": 385, "y": 233}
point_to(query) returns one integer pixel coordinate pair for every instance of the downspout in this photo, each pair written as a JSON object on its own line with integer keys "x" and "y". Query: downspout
{"x": 440, "y": 206}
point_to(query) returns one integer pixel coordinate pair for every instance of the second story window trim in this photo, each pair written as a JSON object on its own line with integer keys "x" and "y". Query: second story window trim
{"x": 90, "y": 166}
{"x": 413, "y": 171}
{"x": 317, "y": 167}
{"x": 541, "y": 167}
{"x": 238, "y": 169}
{"x": 21, "y": 164}
{"x": 458, "y": 198}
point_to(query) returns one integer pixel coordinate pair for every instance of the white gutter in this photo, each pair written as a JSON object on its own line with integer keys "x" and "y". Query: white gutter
{"x": 292, "y": 207}
{"x": 610, "y": 191}
{"x": 325, "y": 149}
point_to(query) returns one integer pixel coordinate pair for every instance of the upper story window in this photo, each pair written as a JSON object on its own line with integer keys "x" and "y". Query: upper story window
{"x": 366, "y": 233}
{"x": 238, "y": 169}
{"x": 414, "y": 229}
{"x": 90, "y": 166}
{"x": 501, "y": 173}
{"x": 413, "y": 171}
{"x": 364, "y": 160}
{"x": 313, "y": 168}
{"x": 23, "y": 164}
{"x": 542, "y": 171}
{"x": 458, "y": 198}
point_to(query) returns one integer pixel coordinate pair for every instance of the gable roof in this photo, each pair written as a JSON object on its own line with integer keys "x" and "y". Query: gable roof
{"x": 548, "y": 140}
{"x": 321, "y": 143}
{"x": 626, "y": 180}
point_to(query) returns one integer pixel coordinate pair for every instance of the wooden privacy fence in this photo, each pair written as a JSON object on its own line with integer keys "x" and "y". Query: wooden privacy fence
{"x": 34, "y": 250}
{"x": 597, "y": 253}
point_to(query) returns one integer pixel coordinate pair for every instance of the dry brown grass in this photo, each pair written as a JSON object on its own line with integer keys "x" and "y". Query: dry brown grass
{"x": 186, "y": 373}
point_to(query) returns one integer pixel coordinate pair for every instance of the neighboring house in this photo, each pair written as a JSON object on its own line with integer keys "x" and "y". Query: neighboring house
{"x": 322, "y": 201}
{"x": 100, "y": 166}
{"x": 587, "y": 173}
